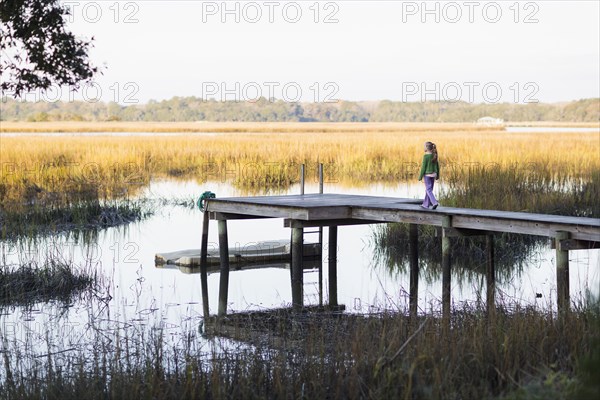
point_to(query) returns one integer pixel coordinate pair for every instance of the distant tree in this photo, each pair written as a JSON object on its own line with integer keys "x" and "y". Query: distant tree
{"x": 36, "y": 48}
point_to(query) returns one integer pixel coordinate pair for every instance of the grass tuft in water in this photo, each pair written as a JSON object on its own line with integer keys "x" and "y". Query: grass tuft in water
{"x": 40, "y": 220}
{"x": 31, "y": 283}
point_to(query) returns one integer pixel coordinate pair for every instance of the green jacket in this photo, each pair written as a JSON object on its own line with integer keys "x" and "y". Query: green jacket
{"x": 429, "y": 166}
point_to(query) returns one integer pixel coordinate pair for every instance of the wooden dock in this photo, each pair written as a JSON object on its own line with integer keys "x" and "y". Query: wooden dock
{"x": 333, "y": 210}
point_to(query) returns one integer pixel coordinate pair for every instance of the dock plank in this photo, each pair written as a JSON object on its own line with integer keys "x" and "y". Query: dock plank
{"x": 348, "y": 207}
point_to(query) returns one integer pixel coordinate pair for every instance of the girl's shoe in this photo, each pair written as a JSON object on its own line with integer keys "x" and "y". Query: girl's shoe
{"x": 426, "y": 208}
{"x": 435, "y": 206}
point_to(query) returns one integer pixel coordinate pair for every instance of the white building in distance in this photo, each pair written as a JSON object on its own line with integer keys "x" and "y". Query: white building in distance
{"x": 490, "y": 121}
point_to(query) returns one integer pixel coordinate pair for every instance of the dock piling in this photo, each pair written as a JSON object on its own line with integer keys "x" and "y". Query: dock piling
{"x": 562, "y": 273}
{"x": 490, "y": 276}
{"x": 204, "y": 265}
{"x": 446, "y": 225}
{"x": 297, "y": 269}
{"x": 413, "y": 249}
{"x": 224, "y": 278}
{"x": 321, "y": 240}
{"x": 332, "y": 265}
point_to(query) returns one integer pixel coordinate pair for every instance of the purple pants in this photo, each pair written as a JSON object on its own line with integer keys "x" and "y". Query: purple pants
{"x": 429, "y": 197}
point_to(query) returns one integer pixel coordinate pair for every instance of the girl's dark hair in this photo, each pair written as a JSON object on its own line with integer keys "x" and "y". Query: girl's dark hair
{"x": 431, "y": 147}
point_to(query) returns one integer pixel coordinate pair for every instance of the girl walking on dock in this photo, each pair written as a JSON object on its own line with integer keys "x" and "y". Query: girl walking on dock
{"x": 430, "y": 170}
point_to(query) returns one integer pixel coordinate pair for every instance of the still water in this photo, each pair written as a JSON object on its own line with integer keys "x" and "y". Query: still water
{"x": 551, "y": 129}
{"x": 134, "y": 293}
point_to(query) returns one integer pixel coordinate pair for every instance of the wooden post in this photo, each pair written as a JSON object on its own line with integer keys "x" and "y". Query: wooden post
{"x": 320, "y": 265}
{"x": 413, "y": 249}
{"x": 562, "y": 274}
{"x": 297, "y": 269}
{"x": 446, "y": 223}
{"x": 302, "y": 179}
{"x": 332, "y": 264}
{"x": 204, "y": 265}
{"x": 224, "y": 278}
{"x": 320, "y": 177}
{"x": 490, "y": 276}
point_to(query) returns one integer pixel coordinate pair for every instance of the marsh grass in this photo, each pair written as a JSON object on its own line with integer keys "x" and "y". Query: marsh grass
{"x": 539, "y": 189}
{"x": 89, "y": 215}
{"x": 325, "y": 355}
{"x": 257, "y": 158}
{"x": 53, "y": 280}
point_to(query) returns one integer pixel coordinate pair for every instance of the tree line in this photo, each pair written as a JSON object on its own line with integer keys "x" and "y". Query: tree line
{"x": 197, "y": 109}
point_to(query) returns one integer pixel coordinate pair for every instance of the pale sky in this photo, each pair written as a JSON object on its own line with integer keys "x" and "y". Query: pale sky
{"x": 479, "y": 51}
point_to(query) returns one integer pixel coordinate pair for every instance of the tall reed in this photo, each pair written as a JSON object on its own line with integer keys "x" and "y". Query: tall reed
{"x": 327, "y": 356}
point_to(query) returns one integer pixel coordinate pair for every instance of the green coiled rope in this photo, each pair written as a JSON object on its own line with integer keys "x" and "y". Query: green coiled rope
{"x": 202, "y": 200}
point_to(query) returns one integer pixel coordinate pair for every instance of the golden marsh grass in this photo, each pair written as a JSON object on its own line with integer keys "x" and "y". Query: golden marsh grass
{"x": 61, "y": 168}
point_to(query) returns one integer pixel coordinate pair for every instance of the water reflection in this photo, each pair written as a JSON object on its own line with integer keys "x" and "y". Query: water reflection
{"x": 137, "y": 297}
{"x": 469, "y": 254}
{"x": 309, "y": 264}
